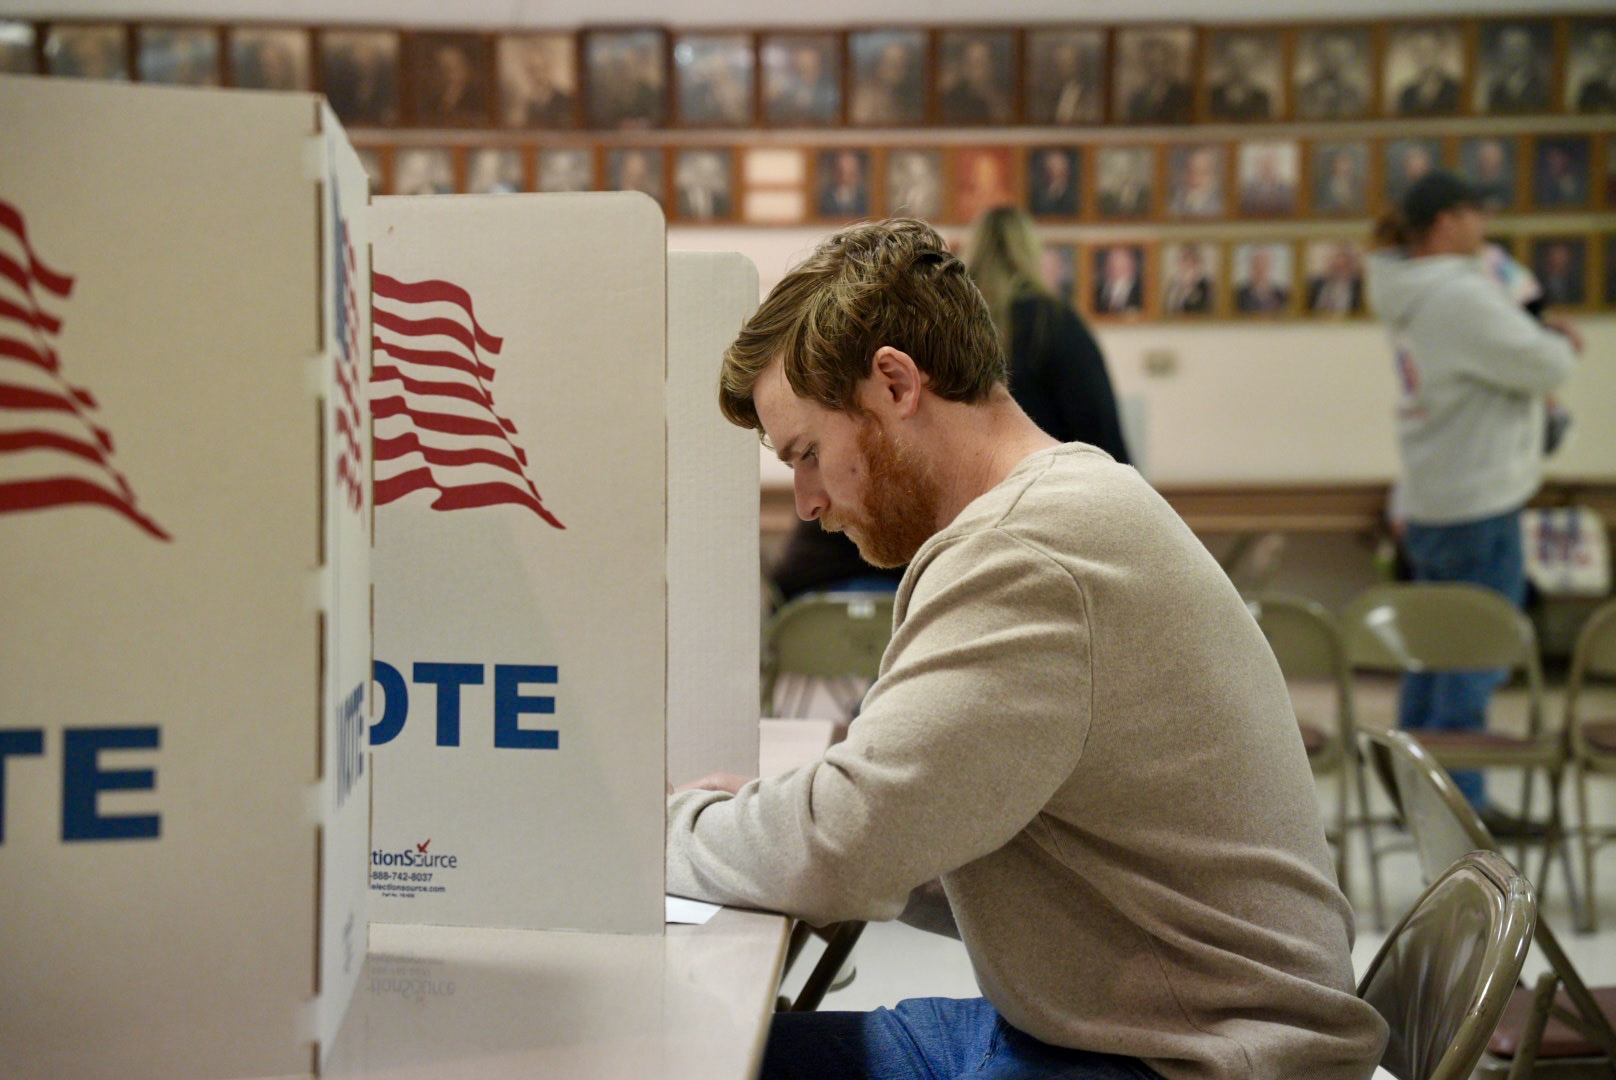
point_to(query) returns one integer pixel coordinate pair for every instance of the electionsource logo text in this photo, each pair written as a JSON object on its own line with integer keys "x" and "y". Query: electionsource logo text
{"x": 418, "y": 859}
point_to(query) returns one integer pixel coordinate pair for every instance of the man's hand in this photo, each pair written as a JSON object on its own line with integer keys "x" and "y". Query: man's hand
{"x": 718, "y": 781}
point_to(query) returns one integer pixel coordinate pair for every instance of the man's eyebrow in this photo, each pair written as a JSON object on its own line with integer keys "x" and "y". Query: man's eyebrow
{"x": 784, "y": 453}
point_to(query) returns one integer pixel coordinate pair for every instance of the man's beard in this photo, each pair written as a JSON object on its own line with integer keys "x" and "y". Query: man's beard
{"x": 900, "y": 501}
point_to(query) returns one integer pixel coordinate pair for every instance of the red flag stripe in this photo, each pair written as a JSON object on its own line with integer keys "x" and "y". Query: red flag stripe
{"x": 426, "y": 292}
{"x": 449, "y": 424}
{"x": 36, "y": 318}
{"x": 429, "y": 388}
{"x": 410, "y": 443}
{"x": 61, "y": 491}
{"x": 11, "y": 221}
{"x": 21, "y": 350}
{"x": 433, "y": 325}
{"x": 464, "y": 497}
{"x": 433, "y": 358}
{"x": 32, "y": 439}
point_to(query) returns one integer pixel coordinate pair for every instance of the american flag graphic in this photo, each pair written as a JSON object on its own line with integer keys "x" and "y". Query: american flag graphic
{"x": 350, "y": 421}
{"x": 436, "y": 426}
{"x": 52, "y": 452}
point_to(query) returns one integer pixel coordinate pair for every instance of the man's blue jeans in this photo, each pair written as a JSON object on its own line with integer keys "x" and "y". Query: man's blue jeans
{"x": 1486, "y": 552}
{"x": 927, "y": 1039}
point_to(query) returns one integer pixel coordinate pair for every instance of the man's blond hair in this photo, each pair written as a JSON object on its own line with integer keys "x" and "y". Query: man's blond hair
{"x": 879, "y": 283}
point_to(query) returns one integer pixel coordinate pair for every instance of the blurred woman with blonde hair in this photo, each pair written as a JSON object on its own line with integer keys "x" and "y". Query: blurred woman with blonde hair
{"x": 1057, "y": 372}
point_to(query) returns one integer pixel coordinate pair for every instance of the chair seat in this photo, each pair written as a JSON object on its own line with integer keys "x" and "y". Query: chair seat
{"x": 1478, "y": 749}
{"x": 1599, "y": 734}
{"x": 1559, "y": 1039}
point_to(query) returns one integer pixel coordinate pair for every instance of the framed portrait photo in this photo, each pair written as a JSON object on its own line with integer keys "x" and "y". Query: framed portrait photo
{"x": 975, "y": 87}
{"x": 1065, "y": 76}
{"x": 915, "y": 183}
{"x": 178, "y": 55}
{"x": 1054, "y": 181}
{"x": 1152, "y": 75}
{"x": 1191, "y": 279}
{"x": 888, "y": 78}
{"x": 359, "y": 73}
{"x": 87, "y": 51}
{"x": 538, "y": 80}
{"x": 451, "y": 82}
{"x": 269, "y": 58}
{"x": 626, "y": 78}
{"x": 565, "y": 170}
{"x": 1245, "y": 74}
{"x": 1514, "y": 67}
{"x": 1562, "y": 170}
{"x": 1340, "y": 179}
{"x": 1333, "y": 72}
{"x": 1197, "y": 180}
{"x": 1405, "y": 161}
{"x": 715, "y": 80}
{"x": 1263, "y": 276}
{"x": 984, "y": 177}
{"x": 1423, "y": 72}
{"x": 1333, "y": 272}
{"x": 1125, "y": 183}
{"x": 1561, "y": 265}
{"x": 1118, "y": 280}
{"x": 704, "y": 184}
{"x": 18, "y": 47}
{"x": 802, "y": 79}
{"x": 496, "y": 170}
{"x": 419, "y": 170}
{"x": 1590, "y": 65}
{"x": 842, "y": 183}
{"x": 637, "y": 168}
{"x": 1268, "y": 177}
{"x": 1492, "y": 165}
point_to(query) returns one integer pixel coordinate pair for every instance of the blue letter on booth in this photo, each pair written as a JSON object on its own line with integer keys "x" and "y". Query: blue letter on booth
{"x": 449, "y": 679}
{"x": 510, "y": 704}
{"x": 83, "y": 780}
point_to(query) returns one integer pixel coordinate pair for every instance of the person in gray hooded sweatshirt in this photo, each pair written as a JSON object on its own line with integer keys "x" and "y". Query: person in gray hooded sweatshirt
{"x": 1472, "y": 370}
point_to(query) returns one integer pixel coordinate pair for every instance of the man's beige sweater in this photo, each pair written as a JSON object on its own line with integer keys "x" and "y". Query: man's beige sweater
{"x": 1082, "y": 731}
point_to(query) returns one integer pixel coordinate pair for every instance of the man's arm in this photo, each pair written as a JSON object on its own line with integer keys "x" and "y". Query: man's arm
{"x": 1499, "y": 342}
{"x": 978, "y": 718}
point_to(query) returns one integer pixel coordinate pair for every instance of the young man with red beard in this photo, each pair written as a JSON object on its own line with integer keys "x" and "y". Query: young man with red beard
{"x": 1080, "y": 755}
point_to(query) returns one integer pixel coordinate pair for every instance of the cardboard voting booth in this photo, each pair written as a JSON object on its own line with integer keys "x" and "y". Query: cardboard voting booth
{"x": 714, "y": 606}
{"x": 184, "y": 649}
{"x": 521, "y": 539}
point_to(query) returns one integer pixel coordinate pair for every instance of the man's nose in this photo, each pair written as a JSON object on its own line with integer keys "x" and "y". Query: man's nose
{"x": 811, "y": 501}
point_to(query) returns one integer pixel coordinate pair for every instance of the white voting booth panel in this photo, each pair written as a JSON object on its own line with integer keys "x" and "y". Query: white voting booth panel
{"x": 185, "y": 641}
{"x": 520, "y": 601}
{"x": 713, "y": 590}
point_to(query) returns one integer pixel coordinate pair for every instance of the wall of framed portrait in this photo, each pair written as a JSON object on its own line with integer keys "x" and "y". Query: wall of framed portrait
{"x": 1205, "y": 188}
{"x": 1183, "y": 170}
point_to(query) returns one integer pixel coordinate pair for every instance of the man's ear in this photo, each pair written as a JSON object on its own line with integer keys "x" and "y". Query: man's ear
{"x": 894, "y": 384}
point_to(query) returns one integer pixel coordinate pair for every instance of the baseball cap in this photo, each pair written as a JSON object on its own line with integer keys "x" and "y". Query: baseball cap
{"x": 1436, "y": 191}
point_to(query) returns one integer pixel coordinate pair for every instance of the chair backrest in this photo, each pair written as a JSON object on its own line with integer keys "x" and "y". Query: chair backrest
{"x": 1445, "y": 828}
{"x": 1437, "y": 626}
{"x": 1307, "y": 642}
{"x": 1446, "y": 972}
{"x": 1443, "y": 626}
{"x": 826, "y": 635}
{"x": 1594, "y": 654}
{"x": 1444, "y": 825}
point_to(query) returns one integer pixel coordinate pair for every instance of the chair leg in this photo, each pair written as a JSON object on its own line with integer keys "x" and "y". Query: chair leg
{"x": 838, "y": 947}
{"x": 1585, "y": 841}
{"x": 1526, "y": 813}
{"x": 1536, "y": 1021}
{"x": 1366, "y": 823}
